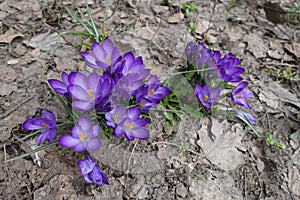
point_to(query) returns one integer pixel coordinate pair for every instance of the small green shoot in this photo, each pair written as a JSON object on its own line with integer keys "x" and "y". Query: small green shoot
{"x": 289, "y": 73}
{"x": 272, "y": 142}
{"x": 189, "y": 8}
{"x": 88, "y": 24}
{"x": 192, "y": 27}
{"x": 293, "y": 15}
{"x": 231, "y": 5}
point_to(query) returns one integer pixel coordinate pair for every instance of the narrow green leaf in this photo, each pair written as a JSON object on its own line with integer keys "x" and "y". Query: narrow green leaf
{"x": 33, "y": 151}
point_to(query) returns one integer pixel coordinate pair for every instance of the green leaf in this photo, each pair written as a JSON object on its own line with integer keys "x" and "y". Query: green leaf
{"x": 33, "y": 151}
{"x": 247, "y": 121}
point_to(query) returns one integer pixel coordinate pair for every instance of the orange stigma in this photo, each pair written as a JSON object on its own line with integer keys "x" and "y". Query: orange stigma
{"x": 239, "y": 95}
{"x": 116, "y": 117}
{"x": 205, "y": 98}
{"x": 107, "y": 59}
{"x": 151, "y": 92}
{"x": 90, "y": 92}
{"x": 129, "y": 126}
{"x": 44, "y": 124}
{"x": 82, "y": 136}
{"x": 142, "y": 102}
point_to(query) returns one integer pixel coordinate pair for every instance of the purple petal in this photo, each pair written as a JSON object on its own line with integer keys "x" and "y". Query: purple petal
{"x": 82, "y": 106}
{"x": 89, "y": 59}
{"x": 34, "y": 123}
{"x": 96, "y": 130}
{"x": 214, "y": 94}
{"x": 108, "y": 46}
{"x": 85, "y": 123}
{"x": 78, "y": 78}
{"x": 76, "y": 131}
{"x": 42, "y": 137}
{"x": 85, "y": 166}
{"x": 58, "y": 86}
{"x": 52, "y": 134}
{"x": 118, "y": 132}
{"x": 134, "y": 113}
{"x": 79, "y": 93}
{"x": 80, "y": 148}
{"x": 141, "y": 122}
{"x": 93, "y": 81}
{"x": 49, "y": 115}
{"x": 68, "y": 141}
{"x": 140, "y": 133}
{"x": 94, "y": 144}
{"x": 198, "y": 89}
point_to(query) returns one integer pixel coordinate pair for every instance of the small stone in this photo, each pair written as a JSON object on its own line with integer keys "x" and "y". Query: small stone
{"x": 182, "y": 191}
{"x": 177, "y": 17}
{"x": 13, "y": 62}
{"x": 160, "y": 9}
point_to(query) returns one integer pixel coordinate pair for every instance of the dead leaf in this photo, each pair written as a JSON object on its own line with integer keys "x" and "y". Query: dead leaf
{"x": 272, "y": 92}
{"x": 223, "y": 150}
{"x": 295, "y": 49}
{"x": 256, "y": 45}
{"x": 9, "y": 36}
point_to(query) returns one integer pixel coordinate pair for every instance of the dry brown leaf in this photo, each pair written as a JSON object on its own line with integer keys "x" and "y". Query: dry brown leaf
{"x": 9, "y": 36}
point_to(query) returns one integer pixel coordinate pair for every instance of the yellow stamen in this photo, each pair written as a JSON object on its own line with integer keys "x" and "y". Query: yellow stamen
{"x": 239, "y": 95}
{"x": 44, "y": 124}
{"x": 107, "y": 59}
{"x": 116, "y": 117}
{"x": 82, "y": 136}
{"x": 90, "y": 92}
{"x": 129, "y": 126}
{"x": 205, "y": 98}
{"x": 142, "y": 102}
{"x": 150, "y": 92}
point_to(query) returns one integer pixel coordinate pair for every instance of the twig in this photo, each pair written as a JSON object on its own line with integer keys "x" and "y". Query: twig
{"x": 15, "y": 108}
{"x": 128, "y": 164}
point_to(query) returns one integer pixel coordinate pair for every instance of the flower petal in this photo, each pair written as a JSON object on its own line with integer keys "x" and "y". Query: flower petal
{"x": 79, "y": 93}
{"x": 80, "y": 148}
{"x": 85, "y": 166}
{"x": 93, "y": 144}
{"x": 49, "y": 115}
{"x": 42, "y": 137}
{"x": 68, "y": 141}
{"x": 34, "y": 123}
{"x": 82, "y": 106}
{"x": 85, "y": 123}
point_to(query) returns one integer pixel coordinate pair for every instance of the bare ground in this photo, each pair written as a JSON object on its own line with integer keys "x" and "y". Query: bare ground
{"x": 230, "y": 162}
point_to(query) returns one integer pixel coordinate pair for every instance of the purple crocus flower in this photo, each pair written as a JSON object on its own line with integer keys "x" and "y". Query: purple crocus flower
{"x": 229, "y": 69}
{"x": 46, "y": 123}
{"x": 150, "y": 95}
{"x": 134, "y": 68}
{"x": 206, "y": 95}
{"x": 60, "y": 87}
{"x": 103, "y": 55}
{"x": 91, "y": 172}
{"x": 132, "y": 126}
{"x": 247, "y": 116}
{"x": 84, "y": 136}
{"x": 126, "y": 88}
{"x": 115, "y": 117}
{"x": 200, "y": 55}
{"x": 240, "y": 94}
{"x": 88, "y": 91}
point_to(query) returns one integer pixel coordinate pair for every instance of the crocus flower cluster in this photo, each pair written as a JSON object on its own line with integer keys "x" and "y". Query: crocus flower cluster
{"x": 93, "y": 96}
{"x": 225, "y": 68}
